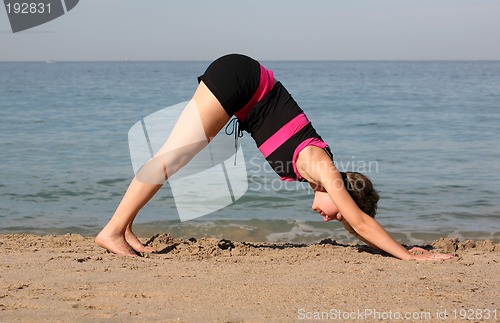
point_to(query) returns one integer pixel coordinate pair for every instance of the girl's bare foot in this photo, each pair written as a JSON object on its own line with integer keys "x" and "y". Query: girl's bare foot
{"x": 115, "y": 243}
{"x": 136, "y": 244}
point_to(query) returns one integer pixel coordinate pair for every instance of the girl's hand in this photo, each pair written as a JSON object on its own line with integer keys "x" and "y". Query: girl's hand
{"x": 422, "y": 254}
{"x": 433, "y": 256}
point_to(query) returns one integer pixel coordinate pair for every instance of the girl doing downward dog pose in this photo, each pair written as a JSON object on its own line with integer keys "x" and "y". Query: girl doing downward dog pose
{"x": 240, "y": 86}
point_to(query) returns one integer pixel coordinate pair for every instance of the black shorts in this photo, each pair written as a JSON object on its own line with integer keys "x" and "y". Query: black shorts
{"x": 233, "y": 79}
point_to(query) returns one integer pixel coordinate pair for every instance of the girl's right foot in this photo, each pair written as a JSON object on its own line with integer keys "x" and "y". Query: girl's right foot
{"x": 115, "y": 243}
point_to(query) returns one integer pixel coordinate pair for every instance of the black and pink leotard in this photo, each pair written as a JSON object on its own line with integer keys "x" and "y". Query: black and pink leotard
{"x": 265, "y": 109}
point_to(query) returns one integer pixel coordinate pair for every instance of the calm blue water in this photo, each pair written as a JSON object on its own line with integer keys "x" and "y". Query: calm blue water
{"x": 427, "y": 133}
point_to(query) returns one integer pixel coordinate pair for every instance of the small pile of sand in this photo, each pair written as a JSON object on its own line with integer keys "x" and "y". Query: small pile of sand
{"x": 452, "y": 245}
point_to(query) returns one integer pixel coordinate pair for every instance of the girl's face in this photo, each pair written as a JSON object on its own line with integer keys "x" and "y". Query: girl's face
{"x": 324, "y": 205}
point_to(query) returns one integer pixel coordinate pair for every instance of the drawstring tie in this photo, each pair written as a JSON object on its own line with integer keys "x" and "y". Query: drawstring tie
{"x": 233, "y": 127}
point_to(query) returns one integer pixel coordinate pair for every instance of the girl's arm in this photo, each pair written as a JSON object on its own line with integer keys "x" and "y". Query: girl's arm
{"x": 349, "y": 229}
{"x": 317, "y": 167}
{"x": 413, "y": 250}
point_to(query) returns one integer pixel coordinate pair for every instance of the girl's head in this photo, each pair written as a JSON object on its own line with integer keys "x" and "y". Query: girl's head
{"x": 361, "y": 190}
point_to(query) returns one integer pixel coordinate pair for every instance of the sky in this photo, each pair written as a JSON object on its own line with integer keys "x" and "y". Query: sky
{"x": 113, "y": 30}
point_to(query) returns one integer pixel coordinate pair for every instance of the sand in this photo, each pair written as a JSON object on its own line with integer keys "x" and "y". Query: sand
{"x": 68, "y": 278}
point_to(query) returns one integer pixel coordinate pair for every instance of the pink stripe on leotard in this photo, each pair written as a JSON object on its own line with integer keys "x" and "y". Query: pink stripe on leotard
{"x": 265, "y": 85}
{"x": 283, "y": 134}
{"x": 308, "y": 142}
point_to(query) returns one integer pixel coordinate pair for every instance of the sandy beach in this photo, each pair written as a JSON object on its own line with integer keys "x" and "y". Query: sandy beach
{"x": 68, "y": 278}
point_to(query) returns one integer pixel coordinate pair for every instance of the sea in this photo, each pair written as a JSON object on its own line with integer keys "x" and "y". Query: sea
{"x": 427, "y": 133}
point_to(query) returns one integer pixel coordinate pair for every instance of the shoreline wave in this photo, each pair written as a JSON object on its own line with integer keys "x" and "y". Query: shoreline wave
{"x": 268, "y": 231}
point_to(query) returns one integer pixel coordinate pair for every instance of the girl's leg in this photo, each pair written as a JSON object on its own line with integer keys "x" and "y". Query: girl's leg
{"x": 112, "y": 236}
{"x": 182, "y": 144}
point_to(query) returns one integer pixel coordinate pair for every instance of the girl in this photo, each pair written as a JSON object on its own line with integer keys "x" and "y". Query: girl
{"x": 238, "y": 85}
